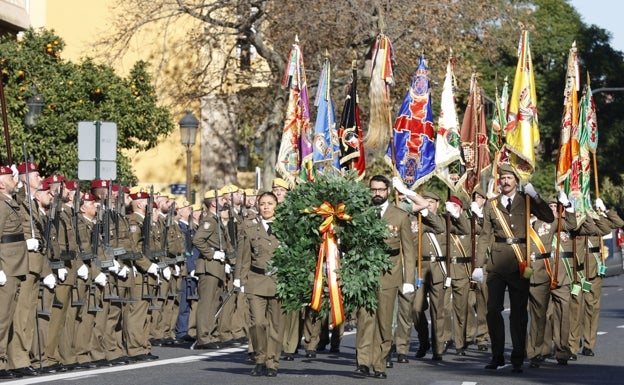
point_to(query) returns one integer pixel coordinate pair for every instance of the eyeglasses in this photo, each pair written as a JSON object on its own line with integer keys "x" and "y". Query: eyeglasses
{"x": 376, "y": 190}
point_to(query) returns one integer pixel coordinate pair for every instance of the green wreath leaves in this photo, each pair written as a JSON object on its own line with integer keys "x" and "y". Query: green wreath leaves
{"x": 361, "y": 243}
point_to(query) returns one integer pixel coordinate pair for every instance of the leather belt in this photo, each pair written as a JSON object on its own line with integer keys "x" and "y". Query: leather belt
{"x": 434, "y": 259}
{"x": 10, "y": 238}
{"x": 460, "y": 260}
{"x": 510, "y": 241}
{"x": 595, "y": 249}
{"x": 566, "y": 254}
{"x": 542, "y": 256}
{"x": 394, "y": 252}
{"x": 580, "y": 266}
{"x": 257, "y": 270}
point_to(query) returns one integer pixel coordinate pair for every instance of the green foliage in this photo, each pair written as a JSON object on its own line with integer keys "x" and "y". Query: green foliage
{"x": 85, "y": 91}
{"x": 361, "y": 242}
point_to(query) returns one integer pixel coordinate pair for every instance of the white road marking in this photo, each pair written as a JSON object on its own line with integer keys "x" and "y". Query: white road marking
{"x": 620, "y": 327}
{"x": 601, "y": 333}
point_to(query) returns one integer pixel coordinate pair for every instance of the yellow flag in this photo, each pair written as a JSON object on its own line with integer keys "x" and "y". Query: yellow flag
{"x": 522, "y": 133}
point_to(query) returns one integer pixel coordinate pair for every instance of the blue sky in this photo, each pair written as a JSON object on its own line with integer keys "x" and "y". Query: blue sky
{"x": 606, "y": 14}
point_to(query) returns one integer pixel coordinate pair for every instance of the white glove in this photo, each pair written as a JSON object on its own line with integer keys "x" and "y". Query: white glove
{"x": 600, "y": 205}
{"x": 100, "y": 279}
{"x": 407, "y": 288}
{"x": 32, "y": 244}
{"x": 176, "y": 270}
{"x": 242, "y": 289}
{"x": 563, "y": 198}
{"x": 477, "y": 274}
{"x": 424, "y": 212}
{"x": 530, "y": 190}
{"x": 83, "y": 272}
{"x": 49, "y": 281}
{"x": 135, "y": 271}
{"x": 219, "y": 256}
{"x": 166, "y": 272}
{"x": 115, "y": 268}
{"x": 236, "y": 283}
{"x": 192, "y": 275}
{"x": 398, "y": 185}
{"x": 153, "y": 269}
{"x": 452, "y": 209}
{"x": 15, "y": 172}
{"x": 3, "y": 278}
{"x": 478, "y": 211}
{"x": 123, "y": 273}
{"x": 228, "y": 268}
{"x": 62, "y": 274}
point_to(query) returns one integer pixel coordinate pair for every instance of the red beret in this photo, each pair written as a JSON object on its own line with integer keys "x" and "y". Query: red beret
{"x": 71, "y": 185}
{"x": 32, "y": 167}
{"x": 154, "y": 205}
{"x": 55, "y": 178}
{"x": 100, "y": 183}
{"x": 88, "y": 197}
{"x": 45, "y": 186}
{"x": 5, "y": 170}
{"x": 456, "y": 200}
{"x": 139, "y": 195}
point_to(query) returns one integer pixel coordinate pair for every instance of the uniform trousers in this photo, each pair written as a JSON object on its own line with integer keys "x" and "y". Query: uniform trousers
{"x": 21, "y": 341}
{"x": 459, "y": 289}
{"x": 476, "y": 326}
{"x": 266, "y": 329}
{"x": 518, "y": 288}
{"x": 188, "y": 289}
{"x": 9, "y": 294}
{"x": 591, "y": 314}
{"x": 293, "y": 329}
{"x": 135, "y": 323}
{"x": 539, "y": 298}
{"x": 559, "y": 323}
{"x": 209, "y": 288}
{"x": 57, "y": 323}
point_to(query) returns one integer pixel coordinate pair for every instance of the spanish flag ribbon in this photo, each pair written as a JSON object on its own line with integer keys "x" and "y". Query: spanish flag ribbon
{"x": 330, "y": 255}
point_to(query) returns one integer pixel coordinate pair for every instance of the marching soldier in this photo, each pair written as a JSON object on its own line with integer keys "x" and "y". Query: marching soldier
{"x": 13, "y": 262}
{"x": 184, "y": 218}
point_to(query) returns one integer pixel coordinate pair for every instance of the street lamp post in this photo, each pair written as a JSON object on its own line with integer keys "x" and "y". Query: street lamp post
{"x": 188, "y": 132}
{"x": 35, "y": 105}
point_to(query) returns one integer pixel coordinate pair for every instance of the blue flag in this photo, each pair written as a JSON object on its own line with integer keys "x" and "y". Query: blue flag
{"x": 326, "y": 148}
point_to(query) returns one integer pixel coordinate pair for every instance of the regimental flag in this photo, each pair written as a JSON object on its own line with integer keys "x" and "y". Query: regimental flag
{"x": 294, "y": 159}
{"x": 412, "y": 149}
{"x": 350, "y": 132}
{"x": 326, "y": 155}
{"x": 497, "y": 136}
{"x": 588, "y": 141}
{"x": 447, "y": 151}
{"x": 522, "y": 131}
{"x": 382, "y": 77}
{"x": 474, "y": 140}
{"x": 568, "y": 144}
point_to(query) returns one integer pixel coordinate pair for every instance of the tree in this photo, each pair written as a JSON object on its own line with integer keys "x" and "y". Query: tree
{"x": 75, "y": 92}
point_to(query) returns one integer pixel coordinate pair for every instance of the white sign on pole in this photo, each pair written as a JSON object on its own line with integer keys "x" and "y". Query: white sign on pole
{"x": 97, "y": 144}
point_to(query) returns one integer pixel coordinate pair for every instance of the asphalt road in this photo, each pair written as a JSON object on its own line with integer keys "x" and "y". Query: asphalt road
{"x": 180, "y": 365}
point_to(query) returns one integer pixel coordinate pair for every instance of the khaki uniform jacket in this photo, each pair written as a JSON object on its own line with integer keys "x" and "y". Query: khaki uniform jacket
{"x": 135, "y": 222}
{"x": 547, "y": 233}
{"x": 13, "y": 255}
{"x": 68, "y": 248}
{"x": 502, "y": 257}
{"x": 255, "y": 248}
{"x": 434, "y": 227}
{"x": 206, "y": 240}
{"x": 399, "y": 238}
{"x": 460, "y": 246}
{"x": 38, "y": 263}
{"x": 604, "y": 225}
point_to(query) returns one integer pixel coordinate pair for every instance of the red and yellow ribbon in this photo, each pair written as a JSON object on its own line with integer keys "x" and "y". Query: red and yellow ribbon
{"x": 329, "y": 253}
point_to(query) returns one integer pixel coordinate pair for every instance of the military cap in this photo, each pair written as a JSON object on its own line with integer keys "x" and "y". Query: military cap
{"x": 32, "y": 167}
{"x": 86, "y": 197}
{"x": 181, "y": 203}
{"x": 230, "y": 188}
{"x": 211, "y": 194}
{"x": 197, "y": 207}
{"x": 552, "y": 199}
{"x": 54, "y": 178}
{"x": 71, "y": 185}
{"x": 100, "y": 183}
{"x": 250, "y": 192}
{"x": 478, "y": 190}
{"x": 456, "y": 200}
{"x": 6, "y": 170}
{"x": 506, "y": 168}
{"x": 172, "y": 196}
{"x": 139, "y": 195}
{"x": 117, "y": 187}
{"x": 279, "y": 182}
{"x": 431, "y": 195}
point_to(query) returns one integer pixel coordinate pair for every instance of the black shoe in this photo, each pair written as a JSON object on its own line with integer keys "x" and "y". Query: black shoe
{"x": 517, "y": 369}
{"x": 310, "y": 354}
{"x": 169, "y": 341}
{"x": 573, "y": 357}
{"x": 562, "y": 361}
{"x": 186, "y": 338}
{"x": 102, "y": 363}
{"x": 361, "y": 371}
{"x": 495, "y": 363}
{"x": 156, "y": 341}
{"x": 208, "y": 346}
{"x": 27, "y": 371}
{"x": 380, "y": 375}
{"x": 402, "y": 359}
{"x": 436, "y": 357}
{"x": 6, "y": 374}
{"x": 482, "y": 348}
{"x": 120, "y": 360}
{"x": 251, "y": 358}
{"x": 460, "y": 352}
{"x": 56, "y": 368}
{"x": 289, "y": 357}
{"x": 259, "y": 370}
{"x": 334, "y": 349}
{"x": 271, "y": 373}
{"x": 389, "y": 364}
{"x": 587, "y": 352}
{"x": 536, "y": 361}
{"x": 422, "y": 350}
{"x": 447, "y": 345}
{"x": 320, "y": 347}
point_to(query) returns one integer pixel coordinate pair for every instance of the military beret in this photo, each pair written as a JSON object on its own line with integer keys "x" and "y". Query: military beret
{"x": 478, "y": 190}
{"x": 6, "y": 170}
{"x": 279, "y": 182}
{"x": 100, "y": 183}
{"x": 139, "y": 195}
{"x": 456, "y": 200}
{"x": 430, "y": 195}
{"x": 181, "y": 203}
{"x": 71, "y": 185}
{"x": 506, "y": 168}
{"x": 250, "y": 192}
{"x": 87, "y": 197}
{"x": 117, "y": 187}
{"x": 211, "y": 194}
{"x": 45, "y": 186}
{"x": 154, "y": 205}
{"x": 230, "y": 188}
{"x": 32, "y": 167}
{"x": 55, "y": 178}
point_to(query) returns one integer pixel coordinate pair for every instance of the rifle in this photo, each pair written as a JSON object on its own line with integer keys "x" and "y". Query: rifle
{"x": 226, "y": 298}
{"x": 168, "y": 223}
{"x": 28, "y": 192}
{"x": 191, "y": 291}
{"x": 219, "y": 222}
{"x": 232, "y": 222}
{"x": 52, "y": 220}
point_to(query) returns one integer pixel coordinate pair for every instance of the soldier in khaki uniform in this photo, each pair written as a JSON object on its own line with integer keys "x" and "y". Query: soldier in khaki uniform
{"x": 13, "y": 261}
{"x": 508, "y": 210}
{"x": 257, "y": 244}
{"x": 374, "y": 333}
{"x": 215, "y": 248}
